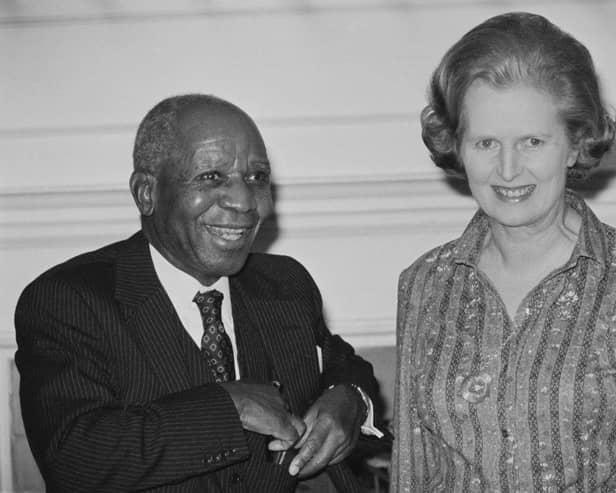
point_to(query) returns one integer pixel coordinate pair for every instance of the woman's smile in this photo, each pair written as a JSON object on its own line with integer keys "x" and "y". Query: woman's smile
{"x": 513, "y": 194}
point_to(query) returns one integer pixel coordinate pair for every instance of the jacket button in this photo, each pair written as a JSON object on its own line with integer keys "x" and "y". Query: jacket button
{"x": 235, "y": 478}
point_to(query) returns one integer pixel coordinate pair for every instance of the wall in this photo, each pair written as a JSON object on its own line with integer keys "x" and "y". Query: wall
{"x": 336, "y": 87}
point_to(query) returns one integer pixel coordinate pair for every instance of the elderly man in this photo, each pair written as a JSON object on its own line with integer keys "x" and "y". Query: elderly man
{"x": 149, "y": 364}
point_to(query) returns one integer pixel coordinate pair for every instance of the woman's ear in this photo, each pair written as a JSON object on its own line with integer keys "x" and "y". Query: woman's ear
{"x": 572, "y": 158}
{"x": 143, "y": 189}
{"x": 576, "y": 144}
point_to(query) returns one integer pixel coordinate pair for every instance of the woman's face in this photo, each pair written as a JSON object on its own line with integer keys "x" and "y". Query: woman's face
{"x": 515, "y": 152}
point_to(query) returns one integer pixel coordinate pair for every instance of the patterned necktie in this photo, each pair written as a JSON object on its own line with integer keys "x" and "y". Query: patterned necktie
{"x": 215, "y": 343}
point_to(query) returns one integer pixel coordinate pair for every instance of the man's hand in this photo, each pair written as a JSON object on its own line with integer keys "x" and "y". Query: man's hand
{"x": 333, "y": 425}
{"x": 262, "y": 410}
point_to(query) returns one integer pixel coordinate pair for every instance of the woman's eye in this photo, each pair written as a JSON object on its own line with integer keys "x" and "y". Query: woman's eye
{"x": 486, "y": 144}
{"x": 534, "y": 142}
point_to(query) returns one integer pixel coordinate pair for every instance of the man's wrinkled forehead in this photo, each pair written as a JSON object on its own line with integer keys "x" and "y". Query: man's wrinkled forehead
{"x": 213, "y": 121}
{"x": 214, "y": 149}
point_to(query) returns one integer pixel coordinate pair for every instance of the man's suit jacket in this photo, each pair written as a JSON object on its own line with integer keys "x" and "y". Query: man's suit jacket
{"x": 116, "y": 396}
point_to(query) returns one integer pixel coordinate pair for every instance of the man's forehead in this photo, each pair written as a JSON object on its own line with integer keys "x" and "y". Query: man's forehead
{"x": 211, "y": 148}
{"x": 210, "y": 131}
{"x": 204, "y": 117}
{"x": 216, "y": 122}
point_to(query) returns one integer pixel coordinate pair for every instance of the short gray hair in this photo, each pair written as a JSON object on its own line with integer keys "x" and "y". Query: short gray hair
{"x": 158, "y": 139}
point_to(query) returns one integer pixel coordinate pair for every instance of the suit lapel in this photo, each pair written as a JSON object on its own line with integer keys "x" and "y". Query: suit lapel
{"x": 149, "y": 314}
{"x": 253, "y": 361}
{"x": 286, "y": 335}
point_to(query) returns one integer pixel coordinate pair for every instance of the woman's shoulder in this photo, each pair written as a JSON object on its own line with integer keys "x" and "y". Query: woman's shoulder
{"x": 435, "y": 260}
{"x": 610, "y": 236}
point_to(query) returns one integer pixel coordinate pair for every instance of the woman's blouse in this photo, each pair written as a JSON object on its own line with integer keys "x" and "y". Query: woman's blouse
{"x": 486, "y": 403}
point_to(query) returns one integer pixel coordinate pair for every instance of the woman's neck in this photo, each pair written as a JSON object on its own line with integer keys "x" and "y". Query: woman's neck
{"x": 528, "y": 246}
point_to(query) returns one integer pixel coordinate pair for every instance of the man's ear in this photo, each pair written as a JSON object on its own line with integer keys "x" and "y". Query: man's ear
{"x": 143, "y": 188}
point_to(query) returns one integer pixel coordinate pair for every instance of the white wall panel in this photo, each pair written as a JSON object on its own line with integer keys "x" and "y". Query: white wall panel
{"x": 72, "y": 10}
{"x": 340, "y": 62}
{"x": 370, "y": 148}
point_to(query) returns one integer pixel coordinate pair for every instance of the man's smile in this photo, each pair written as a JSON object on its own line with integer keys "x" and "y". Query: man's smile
{"x": 229, "y": 233}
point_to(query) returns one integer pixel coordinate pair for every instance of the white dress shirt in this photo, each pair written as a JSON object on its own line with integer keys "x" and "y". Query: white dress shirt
{"x": 182, "y": 288}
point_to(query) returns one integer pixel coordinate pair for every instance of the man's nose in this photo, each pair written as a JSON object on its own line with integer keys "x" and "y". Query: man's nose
{"x": 509, "y": 164}
{"x": 238, "y": 195}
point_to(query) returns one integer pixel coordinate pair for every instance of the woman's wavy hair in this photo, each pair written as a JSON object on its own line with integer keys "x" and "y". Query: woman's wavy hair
{"x": 512, "y": 48}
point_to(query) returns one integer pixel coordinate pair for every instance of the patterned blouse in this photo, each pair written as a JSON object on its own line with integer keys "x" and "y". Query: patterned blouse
{"x": 486, "y": 403}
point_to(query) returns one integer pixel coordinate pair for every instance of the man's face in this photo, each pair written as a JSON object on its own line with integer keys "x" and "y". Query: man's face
{"x": 209, "y": 206}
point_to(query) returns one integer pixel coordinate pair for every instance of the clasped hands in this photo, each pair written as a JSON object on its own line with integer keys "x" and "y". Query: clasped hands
{"x": 326, "y": 435}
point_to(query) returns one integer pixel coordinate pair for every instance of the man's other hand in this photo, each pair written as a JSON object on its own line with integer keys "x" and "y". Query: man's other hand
{"x": 333, "y": 425}
{"x": 262, "y": 410}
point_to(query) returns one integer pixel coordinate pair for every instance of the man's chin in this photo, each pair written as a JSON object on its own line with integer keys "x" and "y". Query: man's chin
{"x": 226, "y": 264}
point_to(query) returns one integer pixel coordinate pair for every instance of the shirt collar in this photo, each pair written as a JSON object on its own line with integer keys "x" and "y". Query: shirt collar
{"x": 179, "y": 285}
{"x": 468, "y": 246}
{"x": 590, "y": 242}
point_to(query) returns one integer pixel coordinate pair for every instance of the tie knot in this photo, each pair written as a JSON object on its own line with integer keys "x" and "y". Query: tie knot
{"x": 209, "y": 302}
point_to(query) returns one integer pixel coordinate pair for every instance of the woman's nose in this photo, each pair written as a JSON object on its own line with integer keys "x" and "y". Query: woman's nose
{"x": 508, "y": 166}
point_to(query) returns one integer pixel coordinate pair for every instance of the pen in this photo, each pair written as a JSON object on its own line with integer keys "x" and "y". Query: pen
{"x": 282, "y": 457}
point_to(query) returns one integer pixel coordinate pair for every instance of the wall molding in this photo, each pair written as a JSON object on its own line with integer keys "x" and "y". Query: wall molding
{"x": 307, "y": 207}
{"x": 332, "y": 206}
{"x": 7, "y": 341}
{"x": 366, "y": 332}
{"x": 24, "y": 133}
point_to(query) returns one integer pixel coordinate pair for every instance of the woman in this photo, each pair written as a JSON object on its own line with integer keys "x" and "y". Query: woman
{"x": 507, "y": 335}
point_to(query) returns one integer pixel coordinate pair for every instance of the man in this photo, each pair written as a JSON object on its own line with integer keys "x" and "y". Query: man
{"x": 134, "y": 374}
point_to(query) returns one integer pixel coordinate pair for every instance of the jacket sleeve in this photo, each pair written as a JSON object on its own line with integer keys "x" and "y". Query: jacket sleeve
{"x": 341, "y": 365}
{"x": 84, "y": 434}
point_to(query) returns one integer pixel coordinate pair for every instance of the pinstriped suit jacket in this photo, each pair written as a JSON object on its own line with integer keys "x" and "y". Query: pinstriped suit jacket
{"x": 115, "y": 396}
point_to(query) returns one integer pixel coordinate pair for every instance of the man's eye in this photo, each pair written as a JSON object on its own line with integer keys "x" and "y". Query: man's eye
{"x": 486, "y": 144}
{"x": 210, "y": 176}
{"x": 261, "y": 177}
